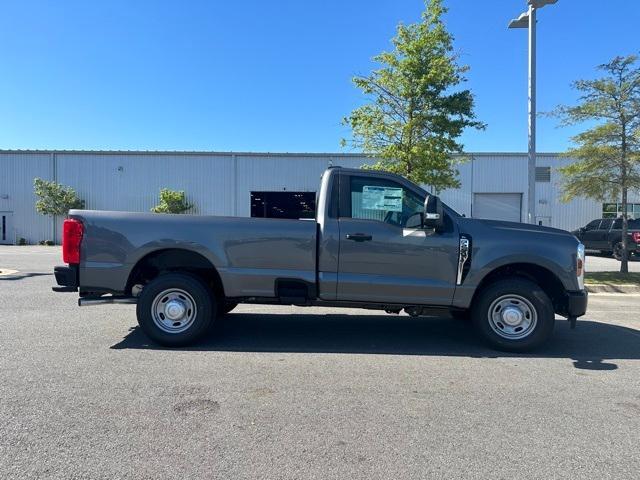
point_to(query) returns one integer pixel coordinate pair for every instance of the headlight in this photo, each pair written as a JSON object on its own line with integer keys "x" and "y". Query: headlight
{"x": 580, "y": 258}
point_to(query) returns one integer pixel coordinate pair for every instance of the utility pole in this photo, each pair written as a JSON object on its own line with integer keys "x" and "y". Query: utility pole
{"x": 528, "y": 20}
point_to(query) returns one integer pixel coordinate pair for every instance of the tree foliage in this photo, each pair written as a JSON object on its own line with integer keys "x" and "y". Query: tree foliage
{"x": 607, "y": 155}
{"x": 54, "y": 198}
{"x": 415, "y": 116}
{"x": 172, "y": 201}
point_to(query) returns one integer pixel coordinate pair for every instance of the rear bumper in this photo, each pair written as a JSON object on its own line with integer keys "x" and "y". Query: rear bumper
{"x": 66, "y": 278}
{"x": 577, "y": 303}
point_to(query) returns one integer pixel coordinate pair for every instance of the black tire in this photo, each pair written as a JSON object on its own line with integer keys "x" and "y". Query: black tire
{"x": 536, "y": 301}
{"x": 226, "y": 307}
{"x": 197, "y": 320}
{"x": 617, "y": 251}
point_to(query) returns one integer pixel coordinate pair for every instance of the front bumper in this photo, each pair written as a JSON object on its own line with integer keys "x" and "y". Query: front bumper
{"x": 577, "y": 303}
{"x": 67, "y": 278}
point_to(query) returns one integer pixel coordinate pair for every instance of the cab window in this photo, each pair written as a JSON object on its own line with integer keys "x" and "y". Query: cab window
{"x": 606, "y": 224}
{"x": 385, "y": 201}
{"x": 592, "y": 225}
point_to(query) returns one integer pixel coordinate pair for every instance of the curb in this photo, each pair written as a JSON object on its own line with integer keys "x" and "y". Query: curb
{"x": 609, "y": 288}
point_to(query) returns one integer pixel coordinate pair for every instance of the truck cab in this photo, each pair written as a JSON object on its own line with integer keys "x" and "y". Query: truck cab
{"x": 378, "y": 241}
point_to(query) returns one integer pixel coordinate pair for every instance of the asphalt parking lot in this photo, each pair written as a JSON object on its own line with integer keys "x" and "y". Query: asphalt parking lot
{"x": 284, "y": 392}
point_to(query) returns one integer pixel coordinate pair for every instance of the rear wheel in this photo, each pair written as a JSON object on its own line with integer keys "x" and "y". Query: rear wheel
{"x": 175, "y": 309}
{"x": 617, "y": 251}
{"x": 514, "y": 314}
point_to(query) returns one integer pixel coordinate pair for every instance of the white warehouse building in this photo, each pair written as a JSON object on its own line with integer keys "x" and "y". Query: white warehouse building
{"x": 493, "y": 185}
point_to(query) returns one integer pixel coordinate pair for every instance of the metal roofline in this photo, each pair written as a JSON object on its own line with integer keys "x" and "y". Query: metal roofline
{"x": 250, "y": 154}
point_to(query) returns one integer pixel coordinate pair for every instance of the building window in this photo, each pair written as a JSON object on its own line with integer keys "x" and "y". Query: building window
{"x": 283, "y": 204}
{"x": 543, "y": 174}
{"x": 614, "y": 210}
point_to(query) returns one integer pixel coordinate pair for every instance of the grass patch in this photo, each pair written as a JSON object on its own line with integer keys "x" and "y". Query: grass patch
{"x": 612, "y": 278}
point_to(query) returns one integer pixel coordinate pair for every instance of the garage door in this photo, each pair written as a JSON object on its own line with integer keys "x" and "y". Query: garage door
{"x": 498, "y": 206}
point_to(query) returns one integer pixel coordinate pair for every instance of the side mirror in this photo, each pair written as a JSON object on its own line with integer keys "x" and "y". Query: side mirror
{"x": 433, "y": 215}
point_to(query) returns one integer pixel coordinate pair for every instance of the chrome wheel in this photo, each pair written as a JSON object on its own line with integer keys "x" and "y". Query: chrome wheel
{"x": 173, "y": 310}
{"x": 512, "y": 317}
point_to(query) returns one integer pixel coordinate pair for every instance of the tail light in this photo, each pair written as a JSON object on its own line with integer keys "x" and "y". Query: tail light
{"x": 580, "y": 258}
{"x": 72, "y": 231}
{"x": 636, "y": 237}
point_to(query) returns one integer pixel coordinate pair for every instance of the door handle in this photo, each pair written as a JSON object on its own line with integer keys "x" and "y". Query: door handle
{"x": 359, "y": 237}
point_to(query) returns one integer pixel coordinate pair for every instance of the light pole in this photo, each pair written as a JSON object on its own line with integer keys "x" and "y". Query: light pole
{"x": 528, "y": 20}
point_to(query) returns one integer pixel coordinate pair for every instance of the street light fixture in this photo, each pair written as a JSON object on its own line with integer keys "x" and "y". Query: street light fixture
{"x": 528, "y": 20}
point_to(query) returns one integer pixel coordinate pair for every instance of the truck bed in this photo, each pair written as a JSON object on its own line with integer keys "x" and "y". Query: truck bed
{"x": 249, "y": 253}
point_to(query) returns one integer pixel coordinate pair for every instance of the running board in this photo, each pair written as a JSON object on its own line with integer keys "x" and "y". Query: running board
{"x": 88, "y": 301}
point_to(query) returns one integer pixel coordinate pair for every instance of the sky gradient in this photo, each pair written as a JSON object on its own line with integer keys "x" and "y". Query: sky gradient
{"x": 274, "y": 76}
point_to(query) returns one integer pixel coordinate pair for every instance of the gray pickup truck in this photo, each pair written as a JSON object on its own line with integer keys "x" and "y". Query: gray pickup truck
{"x": 378, "y": 242}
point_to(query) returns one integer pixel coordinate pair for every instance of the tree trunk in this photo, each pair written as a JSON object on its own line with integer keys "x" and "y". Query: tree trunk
{"x": 624, "y": 263}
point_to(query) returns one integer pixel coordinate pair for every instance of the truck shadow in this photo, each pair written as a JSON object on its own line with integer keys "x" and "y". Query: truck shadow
{"x": 589, "y": 345}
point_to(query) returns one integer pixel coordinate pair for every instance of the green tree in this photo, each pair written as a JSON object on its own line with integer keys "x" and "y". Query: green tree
{"x": 415, "y": 116}
{"x": 54, "y": 198}
{"x": 607, "y": 155}
{"x": 172, "y": 201}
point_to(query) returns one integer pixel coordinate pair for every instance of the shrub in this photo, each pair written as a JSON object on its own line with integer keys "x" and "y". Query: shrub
{"x": 54, "y": 198}
{"x": 172, "y": 201}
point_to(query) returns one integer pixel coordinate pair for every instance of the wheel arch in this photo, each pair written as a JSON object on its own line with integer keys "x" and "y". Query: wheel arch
{"x": 175, "y": 260}
{"x": 546, "y": 279}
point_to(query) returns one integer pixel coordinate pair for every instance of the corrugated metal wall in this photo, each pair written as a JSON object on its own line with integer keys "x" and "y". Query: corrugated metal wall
{"x": 220, "y": 183}
{"x": 568, "y": 216}
{"x": 133, "y": 182}
{"x": 17, "y": 171}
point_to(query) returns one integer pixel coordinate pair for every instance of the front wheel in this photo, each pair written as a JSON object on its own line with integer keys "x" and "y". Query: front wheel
{"x": 514, "y": 315}
{"x": 175, "y": 309}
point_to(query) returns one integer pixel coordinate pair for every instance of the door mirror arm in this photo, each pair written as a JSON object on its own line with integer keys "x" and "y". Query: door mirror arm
{"x": 433, "y": 213}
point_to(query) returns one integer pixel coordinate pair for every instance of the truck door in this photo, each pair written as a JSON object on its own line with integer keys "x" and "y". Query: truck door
{"x": 602, "y": 234}
{"x": 589, "y": 236}
{"x": 384, "y": 254}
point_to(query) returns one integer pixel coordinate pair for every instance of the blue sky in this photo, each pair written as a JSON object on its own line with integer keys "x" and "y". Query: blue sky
{"x": 249, "y": 75}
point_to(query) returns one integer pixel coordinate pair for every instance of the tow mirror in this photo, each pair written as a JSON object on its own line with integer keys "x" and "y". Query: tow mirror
{"x": 433, "y": 217}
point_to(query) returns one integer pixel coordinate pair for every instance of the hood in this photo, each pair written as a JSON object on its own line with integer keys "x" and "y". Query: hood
{"x": 515, "y": 228}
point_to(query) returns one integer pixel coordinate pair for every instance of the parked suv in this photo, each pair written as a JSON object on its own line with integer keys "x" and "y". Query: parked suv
{"x": 605, "y": 234}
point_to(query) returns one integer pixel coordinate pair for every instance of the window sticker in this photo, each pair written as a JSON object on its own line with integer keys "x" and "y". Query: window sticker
{"x": 382, "y": 198}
